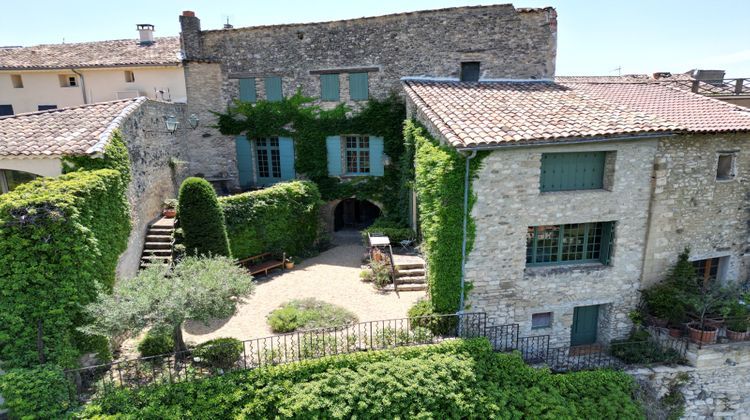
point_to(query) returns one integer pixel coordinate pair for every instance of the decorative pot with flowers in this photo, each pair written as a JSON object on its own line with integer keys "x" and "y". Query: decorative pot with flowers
{"x": 289, "y": 263}
{"x": 169, "y": 208}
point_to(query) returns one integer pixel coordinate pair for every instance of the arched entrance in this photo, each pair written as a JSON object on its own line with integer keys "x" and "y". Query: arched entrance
{"x": 351, "y": 213}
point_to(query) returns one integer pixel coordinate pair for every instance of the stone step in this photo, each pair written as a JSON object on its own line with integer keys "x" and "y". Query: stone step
{"x": 159, "y": 238}
{"x": 157, "y": 245}
{"x": 164, "y": 222}
{"x": 411, "y": 280}
{"x": 156, "y": 258}
{"x": 161, "y": 229}
{"x": 157, "y": 252}
{"x": 406, "y": 288}
{"x": 410, "y": 272}
{"x": 146, "y": 265}
{"x": 409, "y": 266}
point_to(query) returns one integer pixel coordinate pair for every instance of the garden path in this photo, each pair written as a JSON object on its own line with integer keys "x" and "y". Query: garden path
{"x": 332, "y": 276}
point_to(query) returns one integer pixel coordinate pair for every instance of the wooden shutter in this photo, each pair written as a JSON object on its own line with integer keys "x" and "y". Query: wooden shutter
{"x": 273, "y": 88}
{"x": 244, "y": 161}
{"x": 286, "y": 156}
{"x": 333, "y": 146}
{"x": 572, "y": 171}
{"x": 247, "y": 90}
{"x": 376, "y": 156}
{"x": 608, "y": 240}
{"x": 358, "y": 87}
{"x": 329, "y": 87}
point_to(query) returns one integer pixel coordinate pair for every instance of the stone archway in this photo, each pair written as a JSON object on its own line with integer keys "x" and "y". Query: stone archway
{"x": 350, "y": 213}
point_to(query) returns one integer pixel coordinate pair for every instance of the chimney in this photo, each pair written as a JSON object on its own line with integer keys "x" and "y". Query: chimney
{"x": 190, "y": 36}
{"x": 146, "y": 31}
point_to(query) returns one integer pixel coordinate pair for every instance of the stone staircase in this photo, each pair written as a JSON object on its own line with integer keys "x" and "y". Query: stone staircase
{"x": 410, "y": 274}
{"x": 159, "y": 240}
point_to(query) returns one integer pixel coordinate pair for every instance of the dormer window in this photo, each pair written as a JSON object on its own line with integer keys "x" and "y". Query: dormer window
{"x": 470, "y": 71}
{"x": 129, "y": 76}
{"x": 67, "y": 80}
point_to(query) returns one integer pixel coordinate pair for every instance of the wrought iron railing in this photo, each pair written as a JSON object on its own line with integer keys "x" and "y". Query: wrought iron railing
{"x": 722, "y": 87}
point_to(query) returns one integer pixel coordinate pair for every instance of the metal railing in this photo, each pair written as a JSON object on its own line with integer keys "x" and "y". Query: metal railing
{"x": 722, "y": 87}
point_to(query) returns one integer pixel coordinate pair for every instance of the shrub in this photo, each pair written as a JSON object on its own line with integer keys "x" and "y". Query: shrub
{"x": 220, "y": 353}
{"x": 157, "y": 341}
{"x": 282, "y": 218}
{"x": 640, "y": 348}
{"x": 381, "y": 273}
{"x": 201, "y": 219}
{"x": 39, "y": 392}
{"x": 423, "y": 315}
{"x": 395, "y": 231}
{"x": 308, "y": 313}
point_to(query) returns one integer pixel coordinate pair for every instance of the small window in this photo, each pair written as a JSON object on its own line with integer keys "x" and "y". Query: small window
{"x": 470, "y": 71}
{"x": 247, "y": 90}
{"x": 357, "y": 154}
{"x": 6, "y": 110}
{"x": 572, "y": 171}
{"x": 541, "y": 320}
{"x": 329, "y": 87}
{"x": 67, "y": 80}
{"x": 17, "y": 81}
{"x": 10, "y": 179}
{"x": 359, "y": 89}
{"x": 129, "y": 76}
{"x": 46, "y": 107}
{"x": 269, "y": 157}
{"x": 710, "y": 269}
{"x": 725, "y": 167}
{"x": 274, "y": 91}
{"x": 567, "y": 244}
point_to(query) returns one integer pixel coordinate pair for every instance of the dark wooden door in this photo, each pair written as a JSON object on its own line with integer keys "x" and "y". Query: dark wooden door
{"x": 585, "y": 323}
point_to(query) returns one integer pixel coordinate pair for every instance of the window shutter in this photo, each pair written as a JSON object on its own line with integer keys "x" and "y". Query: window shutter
{"x": 572, "y": 171}
{"x": 247, "y": 90}
{"x": 286, "y": 156}
{"x": 358, "y": 87}
{"x": 329, "y": 87}
{"x": 608, "y": 240}
{"x": 333, "y": 146}
{"x": 273, "y": 88}
{"x": 244, "y": 161}
{"x": 376, "y": 156}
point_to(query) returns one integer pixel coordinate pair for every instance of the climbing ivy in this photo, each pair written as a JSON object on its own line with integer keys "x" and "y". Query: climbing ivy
{"x": 309, "y": 125}
{"x": 439, "y": 185}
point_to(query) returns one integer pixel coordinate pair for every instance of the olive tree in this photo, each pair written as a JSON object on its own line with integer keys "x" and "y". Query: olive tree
{"x": 198, "y": 288}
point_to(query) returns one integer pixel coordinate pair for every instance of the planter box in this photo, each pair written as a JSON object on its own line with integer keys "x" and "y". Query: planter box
{"x": 737, "y": 336}
{"x": 705, "y": 336}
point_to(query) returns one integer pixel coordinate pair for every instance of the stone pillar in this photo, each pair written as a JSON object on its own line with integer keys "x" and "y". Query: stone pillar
{"x": 190, "y": 37}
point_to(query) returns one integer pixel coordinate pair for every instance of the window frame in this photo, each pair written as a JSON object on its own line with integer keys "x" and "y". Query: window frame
{"x": 465, "y": 69}
{"x": 359, "y": 151}
{"x": 266, "y": 150}
{"x": 17, "y": 81}
{"x": 732, "y": 169}
{"x": 716, "y": 265}
{"x": 605, "y": 250}
{"x": 550, "y": 318}
{"x": 129, "y": 76}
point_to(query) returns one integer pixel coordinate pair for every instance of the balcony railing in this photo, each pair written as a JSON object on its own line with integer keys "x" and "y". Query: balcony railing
{"x": 723, "y": 87}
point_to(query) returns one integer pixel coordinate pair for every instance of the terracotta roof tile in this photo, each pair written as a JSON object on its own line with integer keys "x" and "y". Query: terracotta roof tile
{"x": 122, "y": 52}
{"x": 80, "y": 130}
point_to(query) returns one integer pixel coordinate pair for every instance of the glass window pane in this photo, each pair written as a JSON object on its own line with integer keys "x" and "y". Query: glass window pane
{"x": 541, "y": 320}
{"x": 16, "y": 178}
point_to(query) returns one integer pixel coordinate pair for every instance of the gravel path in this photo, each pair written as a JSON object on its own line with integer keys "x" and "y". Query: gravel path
{"x": 332, "y": 276}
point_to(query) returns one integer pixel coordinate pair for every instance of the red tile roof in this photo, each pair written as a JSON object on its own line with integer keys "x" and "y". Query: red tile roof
{"x": 116, "y": 53}
{"x": 81, "y": 130}
{"x": 516, "y": 112}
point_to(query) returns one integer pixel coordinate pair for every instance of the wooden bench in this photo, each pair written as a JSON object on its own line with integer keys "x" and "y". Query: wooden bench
{"x": 262, "y": 263}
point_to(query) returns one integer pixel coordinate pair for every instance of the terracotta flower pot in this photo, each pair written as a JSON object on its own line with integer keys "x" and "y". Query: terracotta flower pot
{"x": 675, "y": 331}
{"x": 707, "y": 335}
{"x": 737, "y": 336}
{"x": 658, "y": 322}
{"x": 169, "y": 213}
{"x": 288, "y": 265}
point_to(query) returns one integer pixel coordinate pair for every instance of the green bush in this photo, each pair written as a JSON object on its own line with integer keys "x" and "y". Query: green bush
{"x": 201, "y": 219}
{"x": 60, "y": 240}
{"x": 41, "y": 392}
{"x": 423, "y": 315}
{"x": 157, "y": 341}
{"x": 307, "y": 314}
{"x": 282, "y": 218}
{"x": 220, "y": 353}
{"x": 455, "y": 379}
{"x": 395, "y": 231}
{"x": 640, "y": 348}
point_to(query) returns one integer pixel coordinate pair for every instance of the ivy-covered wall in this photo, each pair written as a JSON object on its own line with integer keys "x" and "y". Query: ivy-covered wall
{"x": 60, "y": 239}
{"x": 439, "y": 185}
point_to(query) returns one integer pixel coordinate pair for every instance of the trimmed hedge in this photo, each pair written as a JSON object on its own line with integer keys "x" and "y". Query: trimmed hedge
{"x": 439, "y": 185}
{"x": 395, "y": 231}
{"x": 60, "y": 239}
{"x": 455, "y": 379}
{"x": 41, "y": 392}
{"x": 282, "y": 218}
{"x": 201, "y": 219}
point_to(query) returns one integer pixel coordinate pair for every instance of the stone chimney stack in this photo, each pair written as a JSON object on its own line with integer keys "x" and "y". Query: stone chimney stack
{"x": 146, "y": 32}
{"x": 190, "y": 37}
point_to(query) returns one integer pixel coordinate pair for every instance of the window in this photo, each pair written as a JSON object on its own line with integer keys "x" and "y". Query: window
{"x": 470, "y": 71}
{"x": 573, "y": 243}
{"x": 357, "y": 154}
{"x": 10, "y": 179}
{"x": 17, "y": 80}
{"x": 6, "y": 110}
{"x": 710, "y": 269}
{"x": 572, "y": 171}
{"x": 725, "y": 167}
{"x": 329, "y": 87}
{"x": 541, "y": 320}
{"x": 46, "y": 107}
{"x": 129, "y": 76}
{"x": 359, "y": 89}
{"x": 247, "y": 90}
{"x": 269, "y": 159}
{"x": 273, "y": 88}
{"x": 67, "y": 80}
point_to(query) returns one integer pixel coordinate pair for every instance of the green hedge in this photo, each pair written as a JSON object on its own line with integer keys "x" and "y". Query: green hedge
{"x": 41, "y": 392}
{"x": 439, "y": 185}
{"x": 282, "y": 218}
{"x": 201, "y": 219}
{"x": 395, "y": 231}
{"x": 455, "y": 379}
{"x": 60, "y": 238}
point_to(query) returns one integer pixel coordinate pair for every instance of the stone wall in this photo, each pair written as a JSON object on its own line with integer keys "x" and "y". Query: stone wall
{"x": 509, "y": 201}
{"x": 151, "y": 148}
{"x": 509, "y": 43}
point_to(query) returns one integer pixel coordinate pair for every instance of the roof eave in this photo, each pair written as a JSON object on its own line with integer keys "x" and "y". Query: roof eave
{"x": 566, "y": 140}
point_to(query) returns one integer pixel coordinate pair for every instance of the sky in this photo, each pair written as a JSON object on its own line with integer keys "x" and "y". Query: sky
{"x": 595, "y": 37}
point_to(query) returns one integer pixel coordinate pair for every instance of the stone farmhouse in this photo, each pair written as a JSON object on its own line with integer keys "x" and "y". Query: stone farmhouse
{"x": 590, "y": 190}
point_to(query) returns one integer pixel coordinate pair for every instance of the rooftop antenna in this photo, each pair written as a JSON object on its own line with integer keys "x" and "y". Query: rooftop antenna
{"x": 228, "y": 25}
{"x": 618, "y": 69}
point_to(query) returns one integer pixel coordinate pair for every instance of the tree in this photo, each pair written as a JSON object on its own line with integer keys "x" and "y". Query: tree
{"x": 198, "y": 288}
{"x": 201, "y": 219}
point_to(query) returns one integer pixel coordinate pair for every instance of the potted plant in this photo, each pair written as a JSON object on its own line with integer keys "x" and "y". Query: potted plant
{"x": 289, "y": 263}
{"x": 664, "y": 304}
{"x": 708, "y": 297}
{"x": 738, "y": 321}
{"x": 169, "y": 208}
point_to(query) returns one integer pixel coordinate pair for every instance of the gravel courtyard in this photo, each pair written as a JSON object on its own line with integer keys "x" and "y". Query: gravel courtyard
{"x": 332, "y": 276}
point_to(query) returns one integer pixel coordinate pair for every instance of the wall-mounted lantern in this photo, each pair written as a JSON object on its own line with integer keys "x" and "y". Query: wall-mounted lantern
{"x": 193, "y": 121}
{"x": 171, "y": 123}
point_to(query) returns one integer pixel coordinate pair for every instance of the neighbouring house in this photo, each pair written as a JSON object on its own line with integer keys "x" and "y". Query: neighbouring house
{"x": 590, "y": 189}
{"x": 352, "y": 62}
{"x": 711, "y": 83}
{"x": 53, "y": 76}
{"x": 38, "y": 143}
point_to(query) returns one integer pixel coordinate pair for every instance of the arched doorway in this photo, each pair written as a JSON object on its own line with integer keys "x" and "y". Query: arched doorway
{"x": 351, "y": 213}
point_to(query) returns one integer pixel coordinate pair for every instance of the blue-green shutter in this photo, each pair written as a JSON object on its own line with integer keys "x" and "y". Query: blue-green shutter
{"x": 244, "y": 161}
{"x": 329, "y": 87}
{"x": 247, "y": 90}
{"x": 273, "y": 88}
{"x": 608, "y": 240}
{"x": 572, "y": 171}
{"x": 286, "y": 156}
{"x": 376, "y": 156}
{"x": 333, "y": 146}
{"x": 358, "y": 87}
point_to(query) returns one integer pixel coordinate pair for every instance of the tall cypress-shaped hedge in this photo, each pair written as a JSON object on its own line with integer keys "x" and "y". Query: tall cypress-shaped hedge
{"x": 60, "y": 239}
{"x": 439, "y": 184}
{"x": 283, "y": 218}
{"x": 201, "y": 219}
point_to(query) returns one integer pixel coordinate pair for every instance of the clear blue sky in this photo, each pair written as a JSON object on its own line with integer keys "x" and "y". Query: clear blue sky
{"x": 594, "y": 36}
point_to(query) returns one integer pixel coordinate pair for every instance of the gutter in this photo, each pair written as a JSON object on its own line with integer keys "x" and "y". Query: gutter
{"x": 469, "y": 157}
{"x": 83, "y": 85}
{"x": 572, "y": 140}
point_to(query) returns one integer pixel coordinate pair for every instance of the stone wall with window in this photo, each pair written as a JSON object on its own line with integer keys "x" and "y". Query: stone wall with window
{"x": 511, "y": 283}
